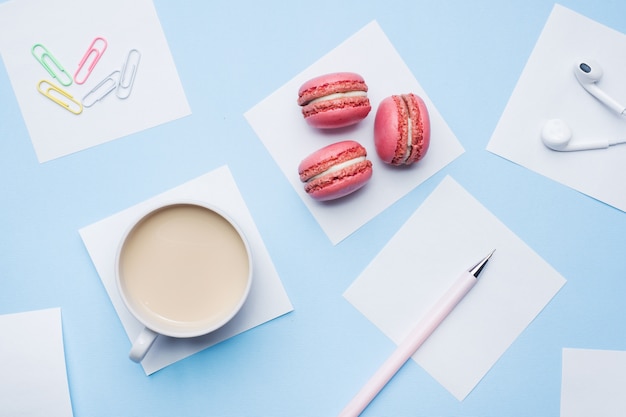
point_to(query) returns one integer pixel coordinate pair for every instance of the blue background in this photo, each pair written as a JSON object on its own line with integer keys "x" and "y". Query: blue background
{"x": 468, "y": 57}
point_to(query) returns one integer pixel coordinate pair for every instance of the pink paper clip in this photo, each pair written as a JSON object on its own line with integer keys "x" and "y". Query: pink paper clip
{"x": 90, "y": 59}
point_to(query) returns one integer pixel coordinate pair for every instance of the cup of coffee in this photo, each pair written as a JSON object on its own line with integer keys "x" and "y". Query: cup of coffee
{"x": 184, "y": 269}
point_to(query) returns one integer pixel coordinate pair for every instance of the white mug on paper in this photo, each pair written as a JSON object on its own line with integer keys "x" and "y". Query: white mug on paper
{"x": 183, "y": 270}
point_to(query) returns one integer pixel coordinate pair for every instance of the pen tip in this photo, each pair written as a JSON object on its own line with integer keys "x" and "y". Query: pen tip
{"x": 477, "y": 269}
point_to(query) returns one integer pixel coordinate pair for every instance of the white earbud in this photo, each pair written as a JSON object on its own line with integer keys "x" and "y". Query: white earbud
{"x": 588, "y": 73}
{"x": 557, "y": 136}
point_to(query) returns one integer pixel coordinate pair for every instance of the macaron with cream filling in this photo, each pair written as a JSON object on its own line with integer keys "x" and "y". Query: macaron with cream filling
{"x": 402, "y": 129}
{"x": 334, "y": 100}
{"x": 335, "y": 170}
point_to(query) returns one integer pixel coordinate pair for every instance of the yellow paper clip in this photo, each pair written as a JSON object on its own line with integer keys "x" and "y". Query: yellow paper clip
{"x": 90, "y": 59}
{"x": 103, "y": 88}
{"x": 51, "y": 65}
{"x": 127, "y": 78}
{"x": 56, "y": 94}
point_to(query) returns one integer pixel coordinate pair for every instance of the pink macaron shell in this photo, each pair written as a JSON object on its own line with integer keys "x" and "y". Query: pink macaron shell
{"x": 421, "y": 128}
{"x": 337, "y": 82}
{"x": 337, "y": 113}
{"x": 339, "y": 183}
{"x": 343, "y": 185}
{"x": 324, "y": 158}
{"x": 387, "y": 129}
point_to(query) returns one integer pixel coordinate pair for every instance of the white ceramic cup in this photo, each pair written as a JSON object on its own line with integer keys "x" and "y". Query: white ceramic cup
{"x": 184, "y": 269}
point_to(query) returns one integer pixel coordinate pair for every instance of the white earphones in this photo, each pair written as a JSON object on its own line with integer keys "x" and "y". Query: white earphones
{"x": 588, "y": 73}
{"x": 557, "y": 136}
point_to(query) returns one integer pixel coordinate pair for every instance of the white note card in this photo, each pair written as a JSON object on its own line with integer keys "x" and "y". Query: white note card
{"x": 278, "y": 122}
{"x": 548, "y": 89}
{"x": 593, "y": 383}
{"x": 267, "y": 299}
{"x": 447, "y": 235}
{"x": 33, "y": 377}
{"x": 61, "y": 33}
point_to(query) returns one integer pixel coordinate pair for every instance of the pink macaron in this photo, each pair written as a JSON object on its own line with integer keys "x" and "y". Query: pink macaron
{"x": 402, "y": 129}
{"x": 334, "y": 100}
{"x": 335, "y": 170}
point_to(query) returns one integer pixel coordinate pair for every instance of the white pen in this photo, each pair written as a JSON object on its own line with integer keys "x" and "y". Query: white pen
{"x": 416, "y": 338}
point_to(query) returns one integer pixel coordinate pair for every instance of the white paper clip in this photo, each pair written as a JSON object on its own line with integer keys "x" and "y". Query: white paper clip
{"x": 127, "y": 77}
{"x": 103, "y": 88}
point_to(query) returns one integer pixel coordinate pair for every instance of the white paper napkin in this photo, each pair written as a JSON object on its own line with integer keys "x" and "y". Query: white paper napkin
{"x": 447, "y": 235}
{"x": 548, "y": 89}
{"x": 266, "y": 301}
{"x": 278, "y": 122}
{"x": 157, "y": 95}
{"x": 593, "y": 383}
{"x": 33, "y": 377}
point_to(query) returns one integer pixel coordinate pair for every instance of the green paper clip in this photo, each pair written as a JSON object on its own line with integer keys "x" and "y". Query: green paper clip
{"x": 51, "y": 65}
{"x": 57, "y": 94}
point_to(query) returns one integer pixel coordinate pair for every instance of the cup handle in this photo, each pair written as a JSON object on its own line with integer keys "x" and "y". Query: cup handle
{"x": 142, "y": 344}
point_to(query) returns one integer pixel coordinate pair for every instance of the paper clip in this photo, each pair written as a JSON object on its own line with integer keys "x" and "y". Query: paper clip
{"x": 51, "y": 65}
{"x": 103, "y": 88}
{"x": 88, "y": 63}
{"x": 127, "y": 78}
{"x": 56, "y": 94}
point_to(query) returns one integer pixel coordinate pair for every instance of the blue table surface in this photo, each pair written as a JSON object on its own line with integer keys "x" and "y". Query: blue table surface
{"x": 230, "y": 55}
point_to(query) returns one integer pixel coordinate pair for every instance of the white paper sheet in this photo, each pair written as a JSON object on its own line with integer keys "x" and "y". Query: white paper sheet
{"x": 33, "y": 377}
{"x": 279, "y": 124}
{"x": 66, "y": 28}
{"x": 548, "y": 89}
{"x": 447, "y": 235}
{"x": 266, "y": 301}
{"x": 593, "y": 383}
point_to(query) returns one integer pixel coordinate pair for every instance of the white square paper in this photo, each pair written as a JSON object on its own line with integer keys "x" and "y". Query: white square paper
{"x": 548, "y": 89}
{"x": 66, "y": 28}
{"x": 447, "y": 235}
{"x": 278, "y": 122}
{"x": 33, "y": 377}
{"x": 266, "y": 301}
{"x": 593, "y": 383}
